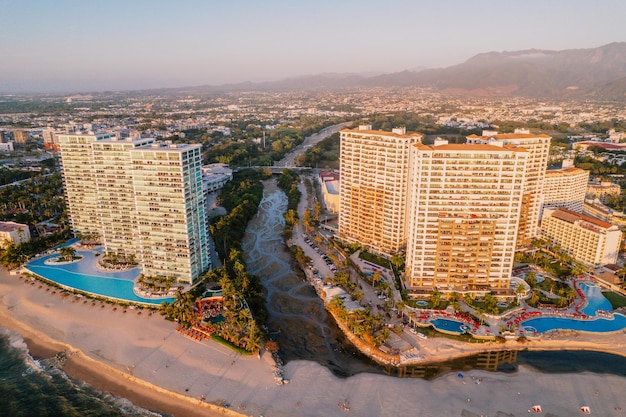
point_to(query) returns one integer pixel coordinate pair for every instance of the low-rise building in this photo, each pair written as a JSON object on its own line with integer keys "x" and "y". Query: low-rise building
{"x": 602, "y": 190}
{"x": 13, "y": 232}
{"x": 215, "y": 176}
{"x": 329, "y": 182}
{"x": 586, "y": 239}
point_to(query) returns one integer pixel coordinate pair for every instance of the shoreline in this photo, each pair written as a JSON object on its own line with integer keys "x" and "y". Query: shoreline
{"x": 80, "y": 367}
{"x": 165, "y": 365}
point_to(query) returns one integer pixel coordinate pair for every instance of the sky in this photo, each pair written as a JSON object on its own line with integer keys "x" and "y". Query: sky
{"x": 92, "y": 45}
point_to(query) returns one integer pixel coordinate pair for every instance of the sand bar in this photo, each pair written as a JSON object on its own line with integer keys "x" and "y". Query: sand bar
{"x": 143, "y": 358}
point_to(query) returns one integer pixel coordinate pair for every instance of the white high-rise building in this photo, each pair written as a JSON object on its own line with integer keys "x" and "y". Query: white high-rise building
{"x": 116, "y": 195}
{"x": 539, "y": 149}
{"x": 79, "y": 177}
{"x": 565, "y": 187}
{"x": 373, "y": 200}
{"x": 142, "y": 198}
{"x": 170, "y": 206}
{"x": 465, "y": 203}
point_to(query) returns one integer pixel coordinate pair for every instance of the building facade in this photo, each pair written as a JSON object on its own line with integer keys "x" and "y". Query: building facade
{"x": 585, "y": 238}
{"x": 465, "y": 203}
{"x": 79, "y": 178}
{"x": 170, "y": 206}
{"x": 116, "y": 195}
{"x": 565, "y": 188}
{"x": 603, "y": 190}
{"x": 329, "y": 183}
{"x": 140, "y": 198}
{"x": 11, "y": 232}
{"x": 538, "y": 147}
{"x": 373, "y": 201}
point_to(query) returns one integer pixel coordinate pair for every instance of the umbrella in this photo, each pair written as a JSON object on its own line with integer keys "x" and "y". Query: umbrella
{"x": 460, "y": 376}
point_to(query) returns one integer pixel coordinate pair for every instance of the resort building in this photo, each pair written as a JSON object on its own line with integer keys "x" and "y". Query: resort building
{"x": 11, "y": 232}
{"x": 116, "y": 195}
{"x": 565, "y": 187}
{"x": 538, "y": 147}
{"x": 215, "y": 177}
{"x": 329, "y": 182}
{"x": 465, "y": 203}
{"x": 79, "y": 178}
{"x": 373, "y": 200}
{"x": 603, "y": 190}
{"x": 585, "y": 238}
{"x": 144, "y": 199}
{"x": 169, "y": 200}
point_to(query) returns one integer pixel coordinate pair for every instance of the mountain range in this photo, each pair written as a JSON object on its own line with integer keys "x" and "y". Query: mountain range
{"x": 574, "y": 73}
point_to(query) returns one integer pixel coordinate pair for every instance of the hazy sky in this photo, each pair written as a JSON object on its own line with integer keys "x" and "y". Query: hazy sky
{"x": 91, "y": 45}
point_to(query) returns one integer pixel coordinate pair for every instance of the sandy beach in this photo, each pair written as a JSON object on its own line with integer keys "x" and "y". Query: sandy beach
{"x": 142, "y": 357}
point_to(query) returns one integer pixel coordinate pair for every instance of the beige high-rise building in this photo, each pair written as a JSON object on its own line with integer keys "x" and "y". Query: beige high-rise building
{"x": 79, "y": 177}
{"x": 539, "y": 149}
{"x": 565, "y": 187}
{"x": 374, "y": 169}
{"x": 116, "y": 196}
{"x": 585, "y": 238}
{"x": 465, "y": 203}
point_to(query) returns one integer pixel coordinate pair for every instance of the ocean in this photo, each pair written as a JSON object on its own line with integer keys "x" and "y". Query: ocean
{"x": 38, "y": 388}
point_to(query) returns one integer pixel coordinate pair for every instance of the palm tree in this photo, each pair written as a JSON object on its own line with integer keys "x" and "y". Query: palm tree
{"x": 67, "y": 253}
{"x": 519, "y": 291}
{"x": 435, "y": 298}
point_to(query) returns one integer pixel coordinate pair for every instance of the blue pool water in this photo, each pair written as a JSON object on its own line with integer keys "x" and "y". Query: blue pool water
{"x": 449, "y": 325}
{"x": 421, "y": 303}
{"x": 595, "y": 300}
{"x": 597, "y": 325}
{"x": 84, "y": 276}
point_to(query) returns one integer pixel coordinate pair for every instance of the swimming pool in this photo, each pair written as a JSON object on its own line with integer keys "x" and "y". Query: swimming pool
{"x": 595, "y": 299}
{"x": 85, "y": 277}
{"x": 597, "y": 325}
{"x": 450, "y": 326}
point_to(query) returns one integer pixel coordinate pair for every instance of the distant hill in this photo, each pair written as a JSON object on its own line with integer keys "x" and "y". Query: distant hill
{"x": 598, "y": 73}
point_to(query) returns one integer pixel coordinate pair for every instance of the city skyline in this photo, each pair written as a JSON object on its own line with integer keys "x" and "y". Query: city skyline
{"x": 72, "y": 46}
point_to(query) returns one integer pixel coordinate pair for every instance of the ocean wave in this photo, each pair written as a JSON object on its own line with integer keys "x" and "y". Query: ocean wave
{"x": 29, "y": 383}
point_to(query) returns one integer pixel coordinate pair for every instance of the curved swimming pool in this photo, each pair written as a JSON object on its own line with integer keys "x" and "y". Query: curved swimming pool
{"x": 595, "y": 299}
{"x": 450, "y": 326}
{"x": 83, "y": 276}
{"x": 597, "y": 325}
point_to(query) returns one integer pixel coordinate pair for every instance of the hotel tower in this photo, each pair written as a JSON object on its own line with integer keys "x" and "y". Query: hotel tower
{"x": 373, "y": 188}
{"x": 538, "y": 147}
{"x": 141, "y": 198}
{"x": 465, "y": 203}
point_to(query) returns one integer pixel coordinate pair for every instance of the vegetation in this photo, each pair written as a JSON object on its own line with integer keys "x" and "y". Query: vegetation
{"x": 325, "y": 154}
{"x": 288, "y": 182}
{"x": 34, "y": 201}
{"x": 616, "y": 300}
{"x": 14, "y": 255}
{"x": 241, "y": 198}
{"x": 366, "y": 326}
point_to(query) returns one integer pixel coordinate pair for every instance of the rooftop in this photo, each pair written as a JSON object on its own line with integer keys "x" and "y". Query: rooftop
{"x": 11, "y": 226}
{"x": 565, "y": 171}
{"x": 572, "y": 217}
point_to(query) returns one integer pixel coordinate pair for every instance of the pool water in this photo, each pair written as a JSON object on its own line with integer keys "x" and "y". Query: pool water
{"x": 84, "y": 276}
{"x": 595, "y": 300}
{"x": 597, "y": 325}
{"x": 449, "y": 325}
